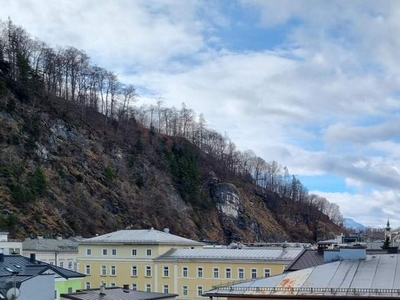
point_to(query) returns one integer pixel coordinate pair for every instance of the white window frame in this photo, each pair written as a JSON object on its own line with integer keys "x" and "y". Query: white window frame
{"x": 87, "y": 285}
{"x": 148, "y": 287}
{"x": 88, "y": 270}
{"x": 149, "y": 252}
{"x": 113, "y": 270}
{"x": 134, "y": 271}
{"x": 215, "y": 273}
{"x": 185, "y": 290}
{"x": 134, "y": 252}
{"x": 253, "y": 273}
{"x": 88, "y": 251}
{"x": 134, "y": 287}
{"x": 267, "y": 271}
{"x": 165, "y": 288}
{"x": 200, "y": 271}
{"x": 103, "y": 270}
{"x": 114, "y": 252}
{"x": 199, "y": 288}
{"x": 148, "y": 271}
{"x": 185, "y": 272}
{"x": 241, "y": 273}
{"x": 228, "y": 273}
{"x": 104, "y": 252}
{"x": 165, "y": 271}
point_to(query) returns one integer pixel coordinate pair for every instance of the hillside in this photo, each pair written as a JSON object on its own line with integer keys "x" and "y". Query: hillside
{"x": 78, "y": 158}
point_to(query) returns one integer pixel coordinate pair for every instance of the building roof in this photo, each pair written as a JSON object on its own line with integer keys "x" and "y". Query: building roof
{"x": 50, "y": 245}
{"x": 116, "y": 293}
{"x": 306, "y": 259}
{"x": 25, "y": 266}
{"x": 375, "y": 276}
{"x": 233, "y": 254}
{"x": 147, "y": 236}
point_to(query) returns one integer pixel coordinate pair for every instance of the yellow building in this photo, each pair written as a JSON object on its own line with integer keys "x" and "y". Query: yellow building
{"x": 152, "y": 260}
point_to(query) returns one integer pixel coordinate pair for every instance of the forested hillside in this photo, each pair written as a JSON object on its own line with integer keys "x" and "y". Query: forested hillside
{"x": 79, "y": 156}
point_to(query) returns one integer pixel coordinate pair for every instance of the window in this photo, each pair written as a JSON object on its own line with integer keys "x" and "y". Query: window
{"x": 113, "y": 270}
{"x": 134, "y": 287}
{"x": 88, "y": 251}
{"x": 253, "y": 273}
{"x": 148, "y": 287}
{"x": 103, "y": 271}
{"x": 134, "y": 252}
{"x": 104, "y": 252}
{"x": 148, "y": 271}
{"x": 87, "y": 285}
{"x": 112, "y": 284}
{"x": 148, "y": 252}
{"x": 184, "y": 290}
{"x": 241, "y": 273}
{"x": 70, "y": 290}
{"x": 165, "y": 289}
{"x": 267, "y": 272}
{"x": 61, "y": 264}
{"x": 185, "y": 272}
{"x": 114, "y": 252}
{"x": 165, "y": 271}
{"x": 87, "y": 270}
{"x": 199, "y": 290}
{"x": 55, "y": 294}
{"x": 200, "y": 272}
{"x": 134, "y": 271}
{"x": 70, "y": 265}
{"x": 215, "y": 272}
{"x": 228, "y": 273}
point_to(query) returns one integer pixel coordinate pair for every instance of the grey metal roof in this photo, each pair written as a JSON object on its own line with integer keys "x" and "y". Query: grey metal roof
{"x": 116, "y": 293}
{"x": 376, "y": 276}
{"x": 59, "y": 245}
{"x": 232, "y": 254}
{"x": 148, "y": 236}
{"x": 25, "y": 266}
{"x": 307, "y": 259}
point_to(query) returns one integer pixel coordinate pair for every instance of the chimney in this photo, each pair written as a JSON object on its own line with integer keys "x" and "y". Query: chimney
{"x": 1, "y": 257}
{"x": 320, "y": 249}
{"x": 103, "y": 289}
{"x": 166, "y": 230}
{"x": 126, "y": 287}
{"x": 32, "y": 258}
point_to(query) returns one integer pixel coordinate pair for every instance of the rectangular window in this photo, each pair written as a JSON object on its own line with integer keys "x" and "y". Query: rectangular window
{"x": 88, "y": 252}
{"x": 184, "y": 290}
{"x": 70, "y": 290}
{"x": 134, "y": 271}
{"x": 134, "y": 252}
{"x": 185, "y": 272}
{"x": 87, "y": 285}
{"x": 241, "y": 273}
{"x": 253, "y": 273}
{"x": 61, "y": 264}
{"x": 104, "y": 252}
{"x": 228, "y": 273}
{"x": 165, "y": 289}
{"x": 148, "y": 287}
{"x": 112, "y": 284}
{"x": 165, "y": 271}
{"x": 148, "y": 271}
{"x": 114, "y": 252}
{"x": 87, "y": 270}
{"x": 199, "y": 290}
{"x": 70, "y": 265}
{"x": 103, "y": 271}
{"x": 267, "y": 272}
{"x": 134, "y": 287}
{"x": 215, "y": 272}
{"x": 200, "y": 272}
{"x": 113, "y": 270}
{"x": 148, "y": 252}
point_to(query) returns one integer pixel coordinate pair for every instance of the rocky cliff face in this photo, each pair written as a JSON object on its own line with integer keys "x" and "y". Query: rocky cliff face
{"x": 62, "y": 176}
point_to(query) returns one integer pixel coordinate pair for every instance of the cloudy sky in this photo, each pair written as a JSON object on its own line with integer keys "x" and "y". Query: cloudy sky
{"x": 313, "y": 85}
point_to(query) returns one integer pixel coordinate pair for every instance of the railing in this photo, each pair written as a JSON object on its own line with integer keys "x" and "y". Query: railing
{"x": 311, "y": 290}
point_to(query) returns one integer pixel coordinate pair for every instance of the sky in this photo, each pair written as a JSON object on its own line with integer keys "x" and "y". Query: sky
{"x": 313, "y": 85}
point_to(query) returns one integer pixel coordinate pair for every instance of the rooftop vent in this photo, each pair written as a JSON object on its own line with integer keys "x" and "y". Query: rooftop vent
{"x": 166, "y": 230}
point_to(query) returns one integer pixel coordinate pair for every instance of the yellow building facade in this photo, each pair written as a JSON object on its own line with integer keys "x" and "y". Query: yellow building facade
{"x": 157, "y": 261}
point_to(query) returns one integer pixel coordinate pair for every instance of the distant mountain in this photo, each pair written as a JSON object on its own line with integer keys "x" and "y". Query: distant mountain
{"x": 351, "y": 224}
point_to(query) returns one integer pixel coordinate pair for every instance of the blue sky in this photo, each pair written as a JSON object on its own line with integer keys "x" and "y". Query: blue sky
{"x": 313, "y": 85}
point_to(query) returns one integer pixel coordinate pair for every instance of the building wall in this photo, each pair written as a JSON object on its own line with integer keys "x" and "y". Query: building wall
{"x": 65, "y": 260}
{"x": 11, "y": 247}
{"x": 101, "y": 268}
{"x": 64, "y": 286}
{"x": 38, "y": 288}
